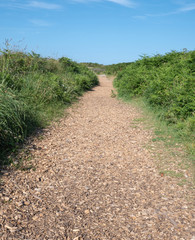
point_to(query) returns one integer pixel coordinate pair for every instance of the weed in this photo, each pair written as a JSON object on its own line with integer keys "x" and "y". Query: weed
{"x": 172, "y": 173}
{"x": 113, "y": 94}
{"x": 158, "y": 139}
{"x": 137, "y": 120}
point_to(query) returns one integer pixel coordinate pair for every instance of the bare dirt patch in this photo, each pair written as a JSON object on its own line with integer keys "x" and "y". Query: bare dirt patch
{"x": 93, "y": 178}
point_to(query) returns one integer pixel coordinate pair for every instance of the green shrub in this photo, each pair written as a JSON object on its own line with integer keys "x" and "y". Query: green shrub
{"x": 33, "y": 90}
{"x": 113, "y": 69}
{"x": 167, "y": 83}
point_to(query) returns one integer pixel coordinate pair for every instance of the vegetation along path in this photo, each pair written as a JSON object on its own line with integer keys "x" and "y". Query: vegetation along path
{"x": 94, "y": 179}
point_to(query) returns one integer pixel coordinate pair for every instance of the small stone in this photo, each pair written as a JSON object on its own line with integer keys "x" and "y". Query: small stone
{"x": 11, "y": 229}
{"x": 19, "y": 204}
{"x": 144, "y": 213}
{"x": 87, "y": 211}
{"x": 26, "y": 203}
{"x": 164, "y": 208}
{"x": 6, "y": 199}
{"x": 17, "y": 217}
{"x": 35, "y": 218}
{"x": 62, "y": 228}
{"x": 185, "y": 207}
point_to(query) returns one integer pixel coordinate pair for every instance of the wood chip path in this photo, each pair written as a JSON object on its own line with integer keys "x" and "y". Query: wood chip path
{"x": 94, "y": 179}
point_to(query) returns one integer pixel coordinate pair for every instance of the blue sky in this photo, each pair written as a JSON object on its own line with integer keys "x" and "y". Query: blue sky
{"x": 103, "y": 31}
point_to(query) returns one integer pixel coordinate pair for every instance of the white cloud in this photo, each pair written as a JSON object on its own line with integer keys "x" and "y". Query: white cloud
{"x": 188, "y": 7}
{"x": 126, "y": 3}
{"x": 185, "y": 8}
{"x": 43, "y": 5}
{"x": 29, "y": 5}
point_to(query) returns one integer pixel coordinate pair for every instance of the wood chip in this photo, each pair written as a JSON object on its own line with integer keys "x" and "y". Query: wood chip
{"x": 95, "y": 177}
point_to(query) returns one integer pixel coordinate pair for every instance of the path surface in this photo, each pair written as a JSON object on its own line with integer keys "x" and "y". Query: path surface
{"x": 94, "y": 179}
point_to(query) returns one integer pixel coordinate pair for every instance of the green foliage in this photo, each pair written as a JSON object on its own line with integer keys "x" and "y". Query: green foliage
{"x": 12, "y": 115}
{"x": 115, "y": 68}
{"x": 33, "y": 90}
{"x": 167, "y": 82}
{"x": 95, "y": 67}
{"x": 107, "y": 69}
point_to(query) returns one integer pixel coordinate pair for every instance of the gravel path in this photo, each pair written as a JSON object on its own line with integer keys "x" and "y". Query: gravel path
{"x": 94, "y": 179}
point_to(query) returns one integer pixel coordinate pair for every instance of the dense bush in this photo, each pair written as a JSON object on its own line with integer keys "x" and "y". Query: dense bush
{"x": 95, "y": 67}
{"x": 167, "y": 82}
{"x": 33, "y": 89}
{"x": 113, "y": 69}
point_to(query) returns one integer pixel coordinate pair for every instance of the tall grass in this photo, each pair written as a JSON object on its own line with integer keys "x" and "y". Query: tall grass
{"x": 33, "y": 90}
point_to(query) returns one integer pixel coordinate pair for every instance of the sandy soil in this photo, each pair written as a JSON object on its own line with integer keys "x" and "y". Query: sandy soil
{"x": 94, "y": 179}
